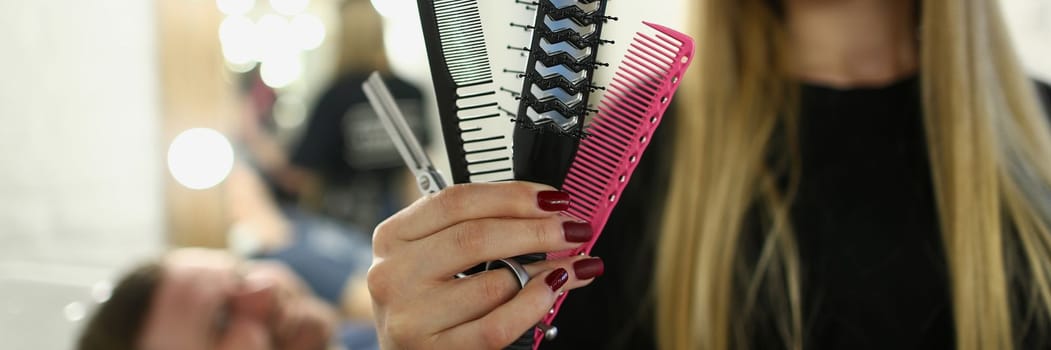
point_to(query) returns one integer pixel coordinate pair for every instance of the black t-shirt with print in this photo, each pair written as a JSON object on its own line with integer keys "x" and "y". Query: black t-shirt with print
{"x": 347, "y": 146}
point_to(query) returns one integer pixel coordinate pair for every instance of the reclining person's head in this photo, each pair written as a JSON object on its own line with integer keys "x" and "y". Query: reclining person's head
{"x": 204, "y": 299}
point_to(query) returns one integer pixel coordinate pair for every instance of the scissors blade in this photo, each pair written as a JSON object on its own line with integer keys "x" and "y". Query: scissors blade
{"x": 427, "y": 177}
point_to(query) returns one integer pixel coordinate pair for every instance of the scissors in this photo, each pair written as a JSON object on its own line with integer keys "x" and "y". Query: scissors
{"x": 428, "y": 179}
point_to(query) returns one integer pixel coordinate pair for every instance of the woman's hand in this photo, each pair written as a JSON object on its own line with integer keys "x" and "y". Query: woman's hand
{"x": 418, "y": 303}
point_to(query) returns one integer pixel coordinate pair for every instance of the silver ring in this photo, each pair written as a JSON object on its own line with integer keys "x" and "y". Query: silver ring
{"x": 514, "y": 266}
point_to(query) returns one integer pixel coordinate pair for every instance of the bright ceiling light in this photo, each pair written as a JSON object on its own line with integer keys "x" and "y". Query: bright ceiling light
{"x": 200, "y": 158}
{"x": 308, "y": 31}
{"x": 274, "y": 38}
{"x": 237, "y": 34}
{"x": 289, "y": 7}
{"x": 235, "y": 7}
{"x": 279, "y": 71}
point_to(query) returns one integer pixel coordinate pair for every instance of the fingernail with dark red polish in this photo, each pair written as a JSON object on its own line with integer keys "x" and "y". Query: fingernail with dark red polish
{"x": 557, "y": 279}
{"x": 552, "y": 200}
{"x": 588, "y": 268}
{"x": 577, "y": 232}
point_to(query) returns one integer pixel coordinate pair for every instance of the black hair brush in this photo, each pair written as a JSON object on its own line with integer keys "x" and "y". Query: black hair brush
{"x": 555, "y": 89}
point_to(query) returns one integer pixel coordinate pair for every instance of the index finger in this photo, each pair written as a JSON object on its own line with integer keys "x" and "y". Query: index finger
{"x": 463, "y": 202}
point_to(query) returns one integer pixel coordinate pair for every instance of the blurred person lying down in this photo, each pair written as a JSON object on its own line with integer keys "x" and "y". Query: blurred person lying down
{"x": 196, "y": 298}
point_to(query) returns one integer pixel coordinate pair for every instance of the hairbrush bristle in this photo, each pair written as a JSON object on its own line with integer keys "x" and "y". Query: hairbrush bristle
{"x": 562, "y": 58}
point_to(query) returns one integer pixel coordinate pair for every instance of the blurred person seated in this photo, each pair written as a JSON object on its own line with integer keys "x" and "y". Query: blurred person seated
{"x": 344, "y": 165}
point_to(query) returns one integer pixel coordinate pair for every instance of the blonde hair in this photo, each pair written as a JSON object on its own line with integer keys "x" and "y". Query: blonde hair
{"x": 361, "y": 46}
{"x": 990, "y": 154}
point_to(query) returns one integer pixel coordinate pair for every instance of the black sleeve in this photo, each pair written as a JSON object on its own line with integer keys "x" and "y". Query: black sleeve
{"x": 320, "y": 147}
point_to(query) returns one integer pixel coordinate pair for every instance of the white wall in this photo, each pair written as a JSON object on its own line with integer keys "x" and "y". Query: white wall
{"x": 80, "y": 167}
{"x": 1030, "y": 24}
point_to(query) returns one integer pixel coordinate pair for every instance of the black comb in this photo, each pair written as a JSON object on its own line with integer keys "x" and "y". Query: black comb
{"x": 465, "y": 91}
{"x": 556, "y": 86}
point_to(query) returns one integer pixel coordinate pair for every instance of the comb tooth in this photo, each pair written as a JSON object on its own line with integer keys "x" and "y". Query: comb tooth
{"x": 587, "y": 195}
{"x": 591, "y": 181}
{"x": 590, "y": 202}
{"x": 453, "y": 41}
{"x": 580, "y": 213}
{"x": 489, "y": 172}
{"x": 493, "y": 149}
{"x": 666, "y": 44}
{"x": 484, "y": 139}
{"x": 620, "y": 146}
{"x": 634, "y": 99}
{"x": 459, "y": 55}
{"x": 489, "y": 161}
{"x": 603, "y": 158}
{"x": 641, "y": 72}
{"x": 657, "y": 49}
{"x": 608, "y": 156}
{"x": 481, "y": 117}
{"x": 675, "y": 43}
{"x": 649, "y": 88}
{"x": 620, "y": 132}
{"x": 669, "y": 53}
{"x": 609, "y": 122}
{"x": 455, "y": 6}
{"x": 644, "y": 49}
{"x": 474, "y": 84}
{"x": 600, "y": 158}
{"x": 483, "y": 93}
{"x": 470, "y": 76}
{"x": 588, "y": 186}
{"x": 632, "y": 74}
{"x": 464, "y": 71}
{"x": 593, "y": 158}
{"x": 484, "y": 105}
{"x": 461, "y": 25}
{"x": 577, "y": 213}
{"x": 650, "y": 67}
{"x": 615, "y": 123}
{"x": 627, "y": 102}
{"x": 643, "y": 58}
{"x": 661, "y": 43}
{"x": 461, "y": 35}
{"x": 457, "y": 51}
{"x": 445, "y": 7}
{"x": 622, "y": 109}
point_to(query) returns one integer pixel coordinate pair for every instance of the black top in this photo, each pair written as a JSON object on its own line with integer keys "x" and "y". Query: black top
{"x": 874, "y": 272}
{"x": 345, "y": 143}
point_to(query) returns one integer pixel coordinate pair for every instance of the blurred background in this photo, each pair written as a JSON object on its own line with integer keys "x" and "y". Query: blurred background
{"x": 130, "y": 127}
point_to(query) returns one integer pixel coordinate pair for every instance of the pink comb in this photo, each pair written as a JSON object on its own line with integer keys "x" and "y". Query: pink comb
{"x": 630, "y": 111}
